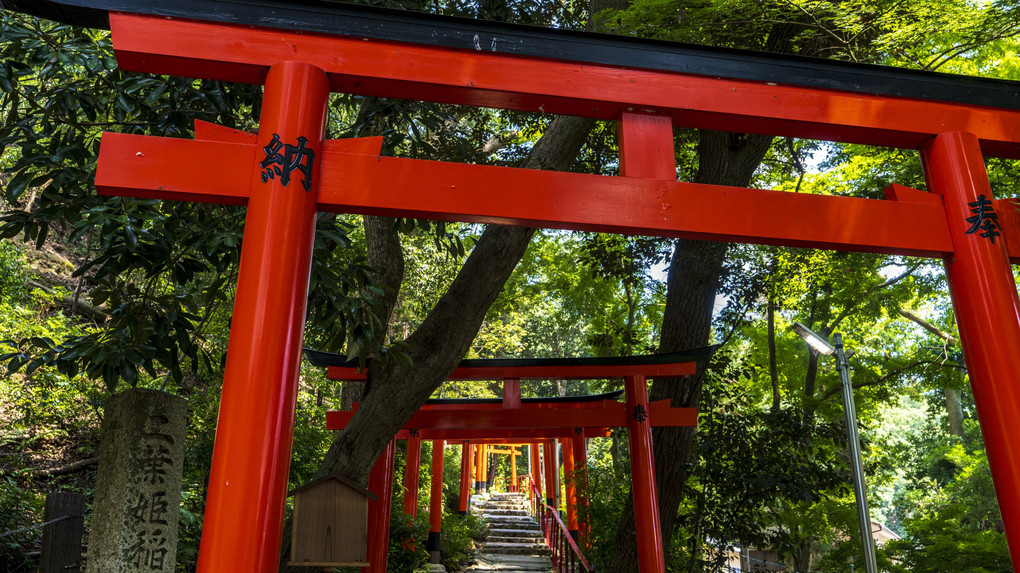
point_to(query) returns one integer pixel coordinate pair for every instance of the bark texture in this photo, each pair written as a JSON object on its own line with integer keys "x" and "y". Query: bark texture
{"x": 393, "y": 395}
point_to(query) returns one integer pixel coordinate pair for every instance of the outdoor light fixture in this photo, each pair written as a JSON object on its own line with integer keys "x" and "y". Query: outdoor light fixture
{"x": 814, "y": 340}
{"x": 822, "y": 346}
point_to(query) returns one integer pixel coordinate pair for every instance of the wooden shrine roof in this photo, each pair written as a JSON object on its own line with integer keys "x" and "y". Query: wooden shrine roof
{"x": 350, "y": 20}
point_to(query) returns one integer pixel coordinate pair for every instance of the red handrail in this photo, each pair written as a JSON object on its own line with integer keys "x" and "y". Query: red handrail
{"x": 518, "y": 487}
{"x": 566, "y": 555}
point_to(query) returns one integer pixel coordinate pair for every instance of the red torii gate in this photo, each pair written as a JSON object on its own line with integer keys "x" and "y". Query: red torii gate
{"x": 514, "y": 418}
{"x": 953, "y": 123}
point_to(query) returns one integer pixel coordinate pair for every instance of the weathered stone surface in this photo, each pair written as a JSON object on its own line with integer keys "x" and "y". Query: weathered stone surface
{"x": 138, "y": 490}
{"x": 514, "y": 543}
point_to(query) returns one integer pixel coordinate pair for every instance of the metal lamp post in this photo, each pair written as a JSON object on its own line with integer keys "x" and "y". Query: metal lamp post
{"x": 822, "y": 346}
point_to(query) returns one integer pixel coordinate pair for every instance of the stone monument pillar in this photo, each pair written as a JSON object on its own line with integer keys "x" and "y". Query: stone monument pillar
{"x": 138, "y": 491}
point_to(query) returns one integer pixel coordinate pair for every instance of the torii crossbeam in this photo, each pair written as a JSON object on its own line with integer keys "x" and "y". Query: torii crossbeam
{"x": 301, "y": 52}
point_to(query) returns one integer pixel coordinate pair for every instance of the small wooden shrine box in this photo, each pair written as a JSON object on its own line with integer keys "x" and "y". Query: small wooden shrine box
{"x": 330, "y": 523}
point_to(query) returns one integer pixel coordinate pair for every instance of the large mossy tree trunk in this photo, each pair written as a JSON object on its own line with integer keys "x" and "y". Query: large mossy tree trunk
{"x": 393, "y": 394}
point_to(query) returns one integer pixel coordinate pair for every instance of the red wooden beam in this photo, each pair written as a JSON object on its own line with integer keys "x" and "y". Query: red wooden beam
{"x": 355, "y": 179}
{"x": 542, "y": 372}
{"x": 630, "y": 205}
{"x": 498, "y": 421}
{"x": 499, "y": 405}
{"x": 481, "y": 78}
{"x": 509, "y": 435}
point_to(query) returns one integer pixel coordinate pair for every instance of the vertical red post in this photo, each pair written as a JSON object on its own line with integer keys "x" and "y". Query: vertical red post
{"x": 436, "y": 500}
{"x": 552, "y": 481}
{"x": 646, "y": 146}
{"x": 380, "y": 482}
{"x": 580, "y": 447}
{"x": 646, "y": 150}
{"x": 484, "y": 465}
{"x": 513, "y": 468}
{"x": 642, "y": 469}
{"x": 987, "y": 310}
{"x": 251, "y": 462}
{"x": 465, "y": 478}
{"x": 569, "y": 485}
{"x": 478, "y": 468}
{"x": 536, "y": 469}
{"x": 512, "y": 393}
{"x": 411, "y": 475}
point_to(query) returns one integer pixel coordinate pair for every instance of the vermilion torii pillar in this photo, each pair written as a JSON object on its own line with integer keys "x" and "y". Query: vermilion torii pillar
{"x": 986, "y": 306}
{"x": 536, "y": 471}
{"x": 580, "y": 448}
{"x": 287, "y": 173}
{"x": 436, "y": 500}
{"x": 248, "y": 480}
{"x": 411, "y": 474}
{"x": 569, "y": 486}
{"x": 466, "y": 463}
{"x": 552, "y": 474}
{"x": 381, "y": 480}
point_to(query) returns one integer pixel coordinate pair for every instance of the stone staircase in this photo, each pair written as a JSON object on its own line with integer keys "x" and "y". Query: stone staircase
{"x": 514, "y": 543}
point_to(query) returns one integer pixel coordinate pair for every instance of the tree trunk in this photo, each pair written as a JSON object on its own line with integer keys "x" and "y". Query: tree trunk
{"x": 694, "y": 276}
{"x": 954, "y": 409}
{"x": 392, "y": 394}
{"x": 773, "y": 367}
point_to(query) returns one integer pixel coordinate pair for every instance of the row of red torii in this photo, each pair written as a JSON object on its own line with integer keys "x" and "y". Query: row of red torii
{"x": 537, "y": 422}
{"x": 296, "y": 51}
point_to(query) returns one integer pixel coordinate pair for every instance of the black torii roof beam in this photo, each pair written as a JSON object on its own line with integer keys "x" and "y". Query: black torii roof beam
{"x": 468, "y": 34}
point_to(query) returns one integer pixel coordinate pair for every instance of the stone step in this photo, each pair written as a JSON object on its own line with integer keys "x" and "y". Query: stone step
{"x": 535, "y": 528}
{"x": 495, "y": 562}
{"x": 522, "y": 516}
{"x": 514, "y": 541}
{"x": 508, "y": 539}
{"x": 514, "y": 532}
{"x": 516, "y": 548}
{"x": 506, "y": 512}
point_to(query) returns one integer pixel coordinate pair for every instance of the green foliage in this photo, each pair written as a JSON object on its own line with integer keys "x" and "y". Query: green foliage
{"x": 19, "y": 507}
{"x": 945, "y": 541}
{"x": 755, "y": 469}
{"x": 12, "y": 273}
{"x": 458, "y": 540}
{"x": 161, "y": 271}
{"x": 408, "y": 536}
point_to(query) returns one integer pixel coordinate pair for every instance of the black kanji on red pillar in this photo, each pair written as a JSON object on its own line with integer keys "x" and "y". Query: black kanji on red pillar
{"x": 984, "y": 219}
{"x": 640, "y": 414}
{"x": 294, "y": 157}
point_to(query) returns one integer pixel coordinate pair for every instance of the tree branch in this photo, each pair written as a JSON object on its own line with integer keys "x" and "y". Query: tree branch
{"x": 887, "y": 283}
{"x": 878, "y": 380}
{"x": 929, "y": 327}
{"x": 59, "y": 471}
{"x": 76, "y": 306}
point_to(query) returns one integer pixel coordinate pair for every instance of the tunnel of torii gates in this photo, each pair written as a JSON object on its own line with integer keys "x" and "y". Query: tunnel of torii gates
{"x": 513, "y": 420}
{"x": 287, "y": 173}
